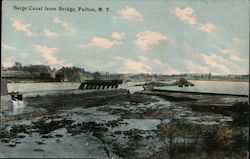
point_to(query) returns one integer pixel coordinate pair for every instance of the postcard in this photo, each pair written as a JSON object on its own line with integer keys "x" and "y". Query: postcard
{"x": 125, "y": 79}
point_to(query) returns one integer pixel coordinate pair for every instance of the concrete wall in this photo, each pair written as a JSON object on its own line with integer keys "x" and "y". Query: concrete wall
{"x": 42, "y": 86}
{"x": 72, "y": 98}
{"x": 6, "y": 102}
{"x": 4, "y": 90}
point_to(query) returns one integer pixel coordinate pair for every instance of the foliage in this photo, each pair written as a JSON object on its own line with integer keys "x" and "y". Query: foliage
{"x": 96, "y": 75}
{"x": 218, "y": 141}
{"x": 240, "y": 107}
{"x": 241, "y": 114}
{"x": 240, "y": 139}
{"x": 176, "y": 134}
{"x": 31, "y": 68}
{"x": 36, "y": 68}
{"x": 223, "y": 140}
{"x": 72, "y": 73}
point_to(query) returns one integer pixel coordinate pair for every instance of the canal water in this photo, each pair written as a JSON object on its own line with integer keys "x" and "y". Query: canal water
{"x": 241, "y": 88}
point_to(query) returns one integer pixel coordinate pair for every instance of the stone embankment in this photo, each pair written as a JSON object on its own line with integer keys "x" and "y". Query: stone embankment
{"x": 6, "y": 102}
{"x": 209, "y": 102}
{"x": 66, "y": 99}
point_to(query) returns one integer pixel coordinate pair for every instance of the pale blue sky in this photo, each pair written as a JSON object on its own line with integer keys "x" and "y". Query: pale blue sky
{"x": 140, "y": 36}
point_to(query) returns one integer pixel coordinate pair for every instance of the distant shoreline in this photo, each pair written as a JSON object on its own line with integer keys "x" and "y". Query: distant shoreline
{"x": 223, "y": 80}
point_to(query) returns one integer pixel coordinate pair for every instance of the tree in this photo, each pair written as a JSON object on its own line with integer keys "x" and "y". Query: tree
{"x": 72, "y": 73}
{"x": 36, "y": 69}
{"x": 170, "y": 136}
{"x": 96, "y": 75}
{"x": 17, "y": 66}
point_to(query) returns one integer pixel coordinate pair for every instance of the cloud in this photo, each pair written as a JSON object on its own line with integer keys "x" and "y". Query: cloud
{"x": 129, "y": 13}
{"x": 238, "y": 41}
{"x": 65, "y": 25}
{"x": 49, "y": 33}
{"x": 162, "y": 67}
{"x": 209, "y": 27}
{"x": 24, "y": 55}
{"x": 117, "y": 36}
{"x": 217, "y": 62}
{"x": 147, "y": 39}
{"x": 5, "y": 46}
{"x": 186, "y": 14}
{"x": 143, "y": 65}
{"x": 98, "y": 65}
{"x": 103, "y": 43}
{"x": 132, "y": 66}
{"x": 195, "y": 68}
{"x": 38, "y": 62}
{"x": 49, "y": 54}
{"x": 18, "y": 25}
{"x": 170, "y": 70}
{"x": 157, "y": 62}
{"x": 8, "y": 61}
{"x": 231, "y": 54}
{"x": 143, "y": 58}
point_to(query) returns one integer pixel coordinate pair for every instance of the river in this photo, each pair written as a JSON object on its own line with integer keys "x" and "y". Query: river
{"x": 241, "y": 88}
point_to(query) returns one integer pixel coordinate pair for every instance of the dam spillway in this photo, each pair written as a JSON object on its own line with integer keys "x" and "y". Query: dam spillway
{"x": 64, "y": 94}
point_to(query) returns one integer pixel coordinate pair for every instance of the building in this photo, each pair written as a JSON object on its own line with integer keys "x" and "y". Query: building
{"x": 59, "y": 76}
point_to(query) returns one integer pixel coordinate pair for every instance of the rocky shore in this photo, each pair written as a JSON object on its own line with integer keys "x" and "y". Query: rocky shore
{"x": 206, "y": 102}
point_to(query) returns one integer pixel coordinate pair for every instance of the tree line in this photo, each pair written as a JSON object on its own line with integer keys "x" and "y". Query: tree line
{"x": 71, "y": 73}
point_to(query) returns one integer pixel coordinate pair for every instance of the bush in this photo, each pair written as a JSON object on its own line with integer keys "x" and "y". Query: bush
{"x": 240, "y": 107}
{"x": 241, "y": 114}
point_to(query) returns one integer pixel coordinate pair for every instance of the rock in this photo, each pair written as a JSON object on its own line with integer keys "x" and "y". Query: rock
{"x": 148, "y": 137}
{"x": 40, "y": 143}
{"x": 38, "y": 150}
{"x": 12, "y": 145}
{"x": 47, "y": 136}
{"x": 58, "y": 135}
{"x": 112, "y": 135}
{"x": 5, "y": 140}
{"x": 21, "y": 136}
{"x": 18, "y": 142}
{"x": 118, "y": 132}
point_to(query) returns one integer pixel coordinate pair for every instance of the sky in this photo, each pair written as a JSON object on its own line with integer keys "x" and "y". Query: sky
{"x": 140, "y": 36}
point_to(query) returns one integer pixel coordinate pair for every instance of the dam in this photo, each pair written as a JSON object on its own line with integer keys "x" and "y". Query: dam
{"x": 63, "y": 94}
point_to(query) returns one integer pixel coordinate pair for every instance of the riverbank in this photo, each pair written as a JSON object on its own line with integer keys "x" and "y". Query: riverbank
{"x": 206, "y": 102}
